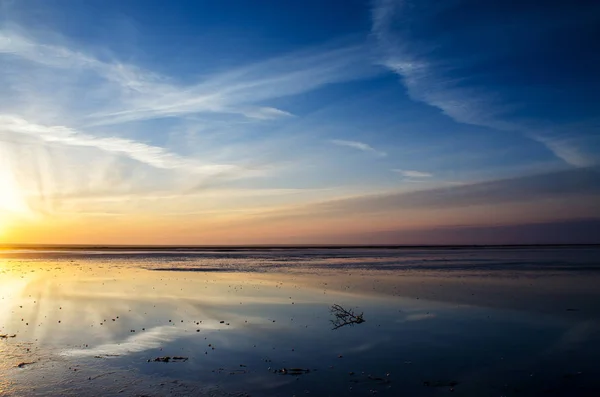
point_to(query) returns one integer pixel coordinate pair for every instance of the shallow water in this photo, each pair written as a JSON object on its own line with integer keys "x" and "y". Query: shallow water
{"x": 474, "y": 322}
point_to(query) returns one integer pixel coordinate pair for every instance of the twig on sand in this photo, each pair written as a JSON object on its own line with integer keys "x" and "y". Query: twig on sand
{"x": 345, "y": 317}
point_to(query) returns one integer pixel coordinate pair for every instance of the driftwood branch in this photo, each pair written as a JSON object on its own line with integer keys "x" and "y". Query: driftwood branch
{"x": 343, "y": 317}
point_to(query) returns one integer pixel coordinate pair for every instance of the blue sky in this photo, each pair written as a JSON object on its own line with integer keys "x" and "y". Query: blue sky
{"x": 206, "y": 109}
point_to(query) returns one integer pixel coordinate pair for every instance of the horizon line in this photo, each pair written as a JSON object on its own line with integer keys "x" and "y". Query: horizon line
{"x": 284, "y": 246}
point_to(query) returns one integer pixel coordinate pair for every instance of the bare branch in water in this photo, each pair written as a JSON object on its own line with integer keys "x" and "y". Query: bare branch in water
{"x": 344, "y": 317}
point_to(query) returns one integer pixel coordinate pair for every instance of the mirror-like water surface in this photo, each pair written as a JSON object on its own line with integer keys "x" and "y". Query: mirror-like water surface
{"x": 473, "y": 322}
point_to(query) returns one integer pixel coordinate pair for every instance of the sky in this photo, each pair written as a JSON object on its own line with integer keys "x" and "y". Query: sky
{"x": 313, "y": 122}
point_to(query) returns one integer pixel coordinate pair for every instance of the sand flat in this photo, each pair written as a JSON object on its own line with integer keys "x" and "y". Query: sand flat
{"x": 474, "y": 321}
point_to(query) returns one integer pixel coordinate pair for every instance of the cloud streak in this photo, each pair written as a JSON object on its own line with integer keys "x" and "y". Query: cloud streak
{"x": 413, "y": 174}
{"x": 235, "y": 91}
{"x": 582, "y": 181}
{"x": 59, "y": 97}
{"x": 567, "y": 149}
{"x": 359, "y": 146}
{"x": 143, "y": 95}
{"x": 18, "y": 45}
{"x": 576, "y": 231}
{"x": 573, "y": 184}
{"x": 424, "y": 79}
{"x": 150, "y": 155}
{"x": 447, "y": 84}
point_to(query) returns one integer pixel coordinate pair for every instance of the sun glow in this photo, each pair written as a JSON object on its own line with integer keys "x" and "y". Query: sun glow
{"x": 12, "y": 202}
{"x": 11, "y": 198}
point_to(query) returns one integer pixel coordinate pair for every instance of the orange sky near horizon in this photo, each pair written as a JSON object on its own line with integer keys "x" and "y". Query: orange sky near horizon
{"x": 307, "y": 224}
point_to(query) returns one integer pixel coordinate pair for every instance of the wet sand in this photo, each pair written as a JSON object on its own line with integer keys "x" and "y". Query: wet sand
{"x": 468, "y": 322}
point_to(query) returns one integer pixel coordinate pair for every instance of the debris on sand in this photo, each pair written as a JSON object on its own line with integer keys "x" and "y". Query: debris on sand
{"x": 235, "y": 371}
{"x": 24, "y": 364}
{"x": 291, "y": 371}
{"x": 345, "y": 317}
{"x": 5, "y": 336}
{"x": 167, "y": 359}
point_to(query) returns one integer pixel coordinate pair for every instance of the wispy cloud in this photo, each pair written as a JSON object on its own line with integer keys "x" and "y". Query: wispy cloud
{"x": 359, "y": 146}
{"x": 425, "y": 79}
{"x": 143, "y": 95}
{"x": 16, "y": 44}
{"x": 575, "y": 231}
{"x": 59, "y": 97}
{"x": 235, "y": 91}
{"x": 568, "y": 149}
{"x": 438, "y": 81}
{"x": 572, "y": 184}
{"x": 413, "y": 174}
{"x": 151, "y": 155}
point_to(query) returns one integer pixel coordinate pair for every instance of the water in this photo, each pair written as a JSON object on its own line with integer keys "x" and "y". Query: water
{"x": 472, "y": 322}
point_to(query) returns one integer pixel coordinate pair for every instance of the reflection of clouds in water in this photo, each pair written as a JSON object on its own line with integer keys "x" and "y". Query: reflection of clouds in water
{"x": 577, "y": 335}
{"x": 146, "y": 340}
{"x": 365, "y": 346}
{"x": 417, "y": 317}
